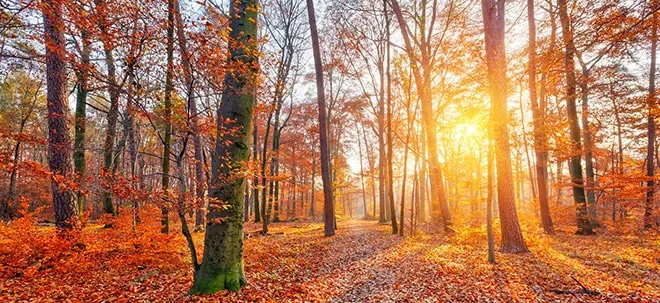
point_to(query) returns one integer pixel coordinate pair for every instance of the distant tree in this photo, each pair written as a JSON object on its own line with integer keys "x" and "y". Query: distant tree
{"x": 422, "y": 66}
{"x": 22, "y": 94}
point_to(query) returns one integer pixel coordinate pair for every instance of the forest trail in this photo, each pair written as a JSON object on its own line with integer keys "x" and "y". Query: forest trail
{"x": 363, "y": 262}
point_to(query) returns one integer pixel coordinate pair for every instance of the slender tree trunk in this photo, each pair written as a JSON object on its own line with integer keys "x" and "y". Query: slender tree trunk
{"x": 371, "y": 161}
{"x": 167, "y": 138}
{"x": 588, "y": 147}
{"x": 390, "y": 142}
{"x": 328, "y": 204}
{"x": 489, "y": 204}
{"x": 540, "y": 137}
{"x": 132, "y": 141}
{"x": 423, "y": 78}
{"x": 364, "y": 190}
{"x": 493, "y": 17}
{"x": 423, "y": 180}
{"x": 222, "y": 266}
{"x": 265, "y": 199}
{"x": 200, "y": 183}
{"x": 651, "y": 133}
{"x": 81, "y": 116}
{"x": 8, "y": 206}
{"x": 59, "y": 143}
{"x": 113, "y": 112}
{"x": 382, "y": 157}
{"x": 312, "y": 203}
{"x": 583, "y": 224}
{"x": 255, "y": 180}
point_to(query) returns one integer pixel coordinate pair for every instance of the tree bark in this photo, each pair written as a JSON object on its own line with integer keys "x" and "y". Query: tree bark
{"x": 167, "y": 137}
{"x": 328, "y": 204}
{"x": 200, "y": 182}
{"x": 540, "y": 137}
{"x": 390, "y": 142}
{"x": 82, "y": 73}
{"x": 422, "y": 76}
{"x": 493, "y": 17}
{"x": 651, "y": 133}
{"x": 255, "y": 180}
{"x": 222, "y": 266}
{"x": 583, "y": 224}
{"x": 59, "y": 143}
{"x": 489, "y": 204}
{"x": 113, "y": 112}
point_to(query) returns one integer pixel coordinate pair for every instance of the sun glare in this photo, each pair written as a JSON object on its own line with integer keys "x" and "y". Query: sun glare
{"x": 467, "y": 131}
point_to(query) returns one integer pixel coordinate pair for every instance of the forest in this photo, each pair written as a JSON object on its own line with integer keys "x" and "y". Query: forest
{"x": 329, "y": 151}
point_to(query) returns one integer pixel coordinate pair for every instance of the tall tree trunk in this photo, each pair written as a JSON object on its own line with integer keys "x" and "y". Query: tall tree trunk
{"x": 651, "y": 133}
{"x": 489, "y": 204}
{"x": 167, "y": 138}
{"x": 113, "y": 112}
{"x": 423, "y": 180}
{"x": 493, "y": 17}
{"x": 132, "y": 140}
{"x": 255, "y": 180}
{"x": 200, "y": 183}
{"x": 423, "y": 79}
{"x": 390, "y": 142}
{"x": 583, "y": 224}
{"x": 312, "y": 198}
{"x": 328, "y": 204}
{"x": 382, "y": 156}
{"x": 59, "y": 143}
{"x": 588, "y": 146}
{"x": 265, "y": 198}
{"x": 81, "y": 116}
{"x": 371, "y": 161}
{"x": 222, "y": 266}
{"x": 540, "y": 137}
{"x": 364, "y": 189}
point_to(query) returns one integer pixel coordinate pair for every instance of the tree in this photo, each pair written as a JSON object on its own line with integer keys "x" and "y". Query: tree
{"x": 59, "y": 143}
{"x": 167, "y": 107}
{"x": 390, "y": 143}
{"x": 82, "y": 90}
{"x": 493, "y": 16}
{"x": 538, "y": 114}
{"x": 222, "y": 266}
{"x": 422, "y": 66}
{"x": 188, "y": 70}
{"x": 651, "y": 128}
{"x": 583, "y": 224}
{"x": 329, "y": 203}
{"x": 113, "y": 111}
{"x": 26, "y": 93}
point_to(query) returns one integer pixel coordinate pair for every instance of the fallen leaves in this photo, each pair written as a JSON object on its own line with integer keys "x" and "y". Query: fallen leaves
{"x": 296, "y": 263}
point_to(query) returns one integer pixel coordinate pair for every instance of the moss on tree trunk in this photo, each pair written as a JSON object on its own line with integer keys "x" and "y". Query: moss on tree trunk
{"x": 222, "y": 267}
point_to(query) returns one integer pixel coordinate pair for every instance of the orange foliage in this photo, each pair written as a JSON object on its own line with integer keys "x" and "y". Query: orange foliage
{"x": 363, "y": 263}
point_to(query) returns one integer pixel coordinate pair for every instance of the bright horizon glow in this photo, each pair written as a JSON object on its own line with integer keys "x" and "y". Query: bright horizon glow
{"x": 468, "y": 131}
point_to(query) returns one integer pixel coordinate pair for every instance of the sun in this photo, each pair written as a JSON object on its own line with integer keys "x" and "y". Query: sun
{"x": 467, "y": 131}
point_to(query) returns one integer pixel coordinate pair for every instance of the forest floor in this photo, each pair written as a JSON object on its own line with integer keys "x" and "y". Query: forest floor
{"x": 362, "y": 263}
